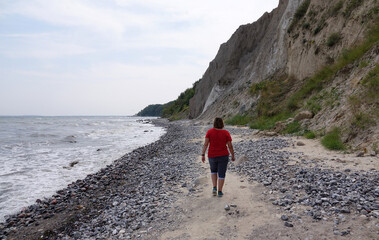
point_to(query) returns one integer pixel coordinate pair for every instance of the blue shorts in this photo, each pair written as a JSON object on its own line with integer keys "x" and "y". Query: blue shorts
{"x": 219, "y": 165}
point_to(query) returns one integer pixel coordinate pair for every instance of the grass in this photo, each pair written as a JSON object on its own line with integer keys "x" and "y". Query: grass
{"x": 299, "y": 14}
{"x": 239, "y": 119}
{"x": 257, "y": 87}
{"x": 272, "y": 94}
{"x": 332, "y": 140}
{"x": 333, "y": 39}
{"x": 371, "y": 81}
{"x": 351, "y": 6}
{"x": 268, "y": 122}
{"x": 313, "y": 105}
{"x": 335, "y": 10}
{"x": 309, "y": 135}
{"x": 363, "y": 121}
{"x": 320, "y": 26}
{"x": 363, "y": 64}
{"x": 326, "y": 74}
{"x": 279, "y": 99}
{"x": 293, "y": 127}
{"x": 375, "y": 147}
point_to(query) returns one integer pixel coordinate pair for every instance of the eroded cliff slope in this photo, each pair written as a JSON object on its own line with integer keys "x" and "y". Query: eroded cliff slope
{"x": 298, "y": 44}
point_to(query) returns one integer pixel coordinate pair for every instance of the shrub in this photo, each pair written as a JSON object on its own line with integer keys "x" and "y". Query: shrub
{"x": 239, "y": 119}
{"x": 257, "y": 87}
{"x": 309, "y": 135}
{"x": 333, "y": 39}
{"x": 363, "y": 121}
{"x": 332, "y": 140}
{"x": 268, "y": 122}
{"x": 317, "y": 82}
{"x": 351, "y": 6}
{"x": 306, "y": 25}
{"x": 300, "y": 12}
{"x": 375, "y": 147}
{"x": 334, "y": 11}
{"x": 179, "y": 105}
{"x": 371, "y": 81}
{"x": 320, "y": 25}
{"x": 363, "y": 64}
{"x": 313, "y": 105}
{"x": 293, "y": 127}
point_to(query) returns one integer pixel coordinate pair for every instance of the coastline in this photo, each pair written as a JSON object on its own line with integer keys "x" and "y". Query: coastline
{"x": 142, "y": 179}
{"x": 161, "y": 191}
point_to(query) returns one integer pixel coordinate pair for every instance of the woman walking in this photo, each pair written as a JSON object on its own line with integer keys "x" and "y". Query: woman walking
{"x": 219, "y": 141}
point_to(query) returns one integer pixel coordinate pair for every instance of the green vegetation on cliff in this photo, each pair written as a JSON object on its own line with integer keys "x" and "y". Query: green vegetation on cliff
{"x": 174, "y": 110}
{"x": 332, "y": 140}
{"x": 179, "y": 108}
{"x": 154, "y": 110}
{"x": 282, "y": 96}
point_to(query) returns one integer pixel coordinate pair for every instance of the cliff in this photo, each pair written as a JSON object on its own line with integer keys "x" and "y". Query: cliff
{"x": 288, "y": 50}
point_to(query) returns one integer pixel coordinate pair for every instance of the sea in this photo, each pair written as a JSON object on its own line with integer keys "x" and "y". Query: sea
{"x": 40, "y": 155}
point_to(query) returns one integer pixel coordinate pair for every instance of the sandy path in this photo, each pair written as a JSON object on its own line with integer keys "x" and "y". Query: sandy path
{"x": 199, "y": 215}
{"x": 206, "y": 217}
{"x": 202, "y": 215}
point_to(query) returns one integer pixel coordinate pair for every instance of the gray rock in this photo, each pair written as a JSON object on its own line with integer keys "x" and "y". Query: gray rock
{"x": 227, "y": 207}
{"x": 303, "y": 115}
{"x": 287, "y": 224}
{"x": 299, "y": 143}
{"x": 284, "y": 217}
{"x": 360, "y": 154}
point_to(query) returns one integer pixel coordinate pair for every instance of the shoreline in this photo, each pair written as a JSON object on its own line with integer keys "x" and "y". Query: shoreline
{"x": 158, "y": 190}
{"x": 123, "y": 181}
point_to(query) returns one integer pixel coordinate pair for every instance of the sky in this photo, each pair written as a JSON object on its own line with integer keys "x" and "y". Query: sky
{"x": 110, "y": 57}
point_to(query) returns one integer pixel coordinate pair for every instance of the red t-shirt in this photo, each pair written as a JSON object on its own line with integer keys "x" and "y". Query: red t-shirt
{"x": 217, "y": 142}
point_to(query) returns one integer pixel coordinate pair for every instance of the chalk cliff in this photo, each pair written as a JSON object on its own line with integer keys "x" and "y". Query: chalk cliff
{"x": 288, "y": 43}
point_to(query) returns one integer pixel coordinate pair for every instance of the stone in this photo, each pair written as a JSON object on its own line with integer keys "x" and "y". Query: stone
{"x": 303, "y": 115}
{"x": 73, "y": 163}
{"x": 375, "y": 213}
{"x": 300, "y": 143}
{"x": 270, "y": 134}
{"x": 287, "y": 224}
{"x": 360, "y": 154}
{"x": 284, "y": 217}
{"x": 227, "y": 207}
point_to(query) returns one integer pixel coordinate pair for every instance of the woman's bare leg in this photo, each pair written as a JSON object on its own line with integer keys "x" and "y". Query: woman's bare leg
{"x": 220, "y": 184}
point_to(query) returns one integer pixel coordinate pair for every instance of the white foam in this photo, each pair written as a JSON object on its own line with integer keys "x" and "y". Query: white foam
{"x": 35, "y": 159}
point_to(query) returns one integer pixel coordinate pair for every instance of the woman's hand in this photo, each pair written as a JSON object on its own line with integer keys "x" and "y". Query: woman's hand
{"x": 203, "y": 159}
{"x": 233, "y": 158}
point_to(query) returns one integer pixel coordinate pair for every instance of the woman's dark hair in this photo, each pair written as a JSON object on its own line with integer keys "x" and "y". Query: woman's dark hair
{"x": 218, "y": 123}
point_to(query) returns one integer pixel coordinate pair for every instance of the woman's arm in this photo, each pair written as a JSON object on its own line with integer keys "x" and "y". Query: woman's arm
{"x": 205, "y": 146}
{"x": 231, "y": 150}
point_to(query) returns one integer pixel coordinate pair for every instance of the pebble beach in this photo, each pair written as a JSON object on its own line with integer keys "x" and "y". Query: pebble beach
{"x": 136, "y": 196}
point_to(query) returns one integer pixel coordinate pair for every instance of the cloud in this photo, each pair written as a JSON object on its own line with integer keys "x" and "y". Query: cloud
{"x": 119, "y": 55}
{"x": 41, "y": 46}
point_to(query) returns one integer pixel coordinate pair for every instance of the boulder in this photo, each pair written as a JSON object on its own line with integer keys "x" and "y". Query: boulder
{"x": 303, "y": 115}
{"x": 359, "y": 154}
{"x": 300, "y": 143}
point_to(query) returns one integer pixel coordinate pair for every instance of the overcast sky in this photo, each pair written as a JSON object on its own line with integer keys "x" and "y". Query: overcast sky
{"x": 109, "y": 57}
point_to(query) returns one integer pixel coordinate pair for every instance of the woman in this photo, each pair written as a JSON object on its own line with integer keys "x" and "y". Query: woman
{"x": 218, "y": 154}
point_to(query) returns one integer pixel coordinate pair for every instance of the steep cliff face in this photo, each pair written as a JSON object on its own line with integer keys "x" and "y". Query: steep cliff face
{"x": 254, "y": 52}
{"x": 295, "y": 45}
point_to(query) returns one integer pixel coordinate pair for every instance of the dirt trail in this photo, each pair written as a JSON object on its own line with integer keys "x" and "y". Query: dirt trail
{"x": 253, "y": 217}
{"x": 206, "y": 217}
